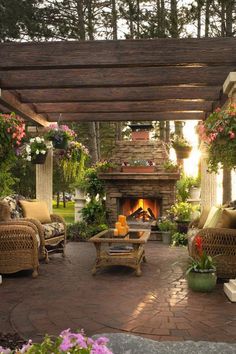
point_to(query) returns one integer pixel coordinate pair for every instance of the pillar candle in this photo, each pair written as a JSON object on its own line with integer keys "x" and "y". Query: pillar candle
{"x": 122, "y": 231}
{"x": 118, "y": 225}
{"x": 116, "y": 232}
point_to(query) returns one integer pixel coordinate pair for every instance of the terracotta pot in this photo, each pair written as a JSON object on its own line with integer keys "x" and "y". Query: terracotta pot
{"x": 39, "y": 159}
{"x": 140, "y": 135}
{"x": 183, "y": 152}
{"x": 202, "y": 282}
{"x": 138, "y": 169}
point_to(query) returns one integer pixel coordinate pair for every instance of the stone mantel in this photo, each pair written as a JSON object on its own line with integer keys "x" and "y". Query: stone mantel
{"x": 139, "y": 176}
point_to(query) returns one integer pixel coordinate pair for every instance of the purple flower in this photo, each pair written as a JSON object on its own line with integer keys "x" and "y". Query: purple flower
{"x": 100, "y": 349}
{"x": 26, "y": 347}
{"x": 5, "y": 350}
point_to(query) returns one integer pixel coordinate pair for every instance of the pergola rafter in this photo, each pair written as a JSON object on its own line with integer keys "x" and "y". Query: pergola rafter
{"x": 161, "y": 79}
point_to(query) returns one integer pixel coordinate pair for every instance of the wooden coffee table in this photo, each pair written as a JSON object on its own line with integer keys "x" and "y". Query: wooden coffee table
{"x": 133, "y": 259}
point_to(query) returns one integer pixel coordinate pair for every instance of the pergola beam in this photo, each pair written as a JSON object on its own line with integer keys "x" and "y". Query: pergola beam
{"x": 106, "y": 77}
{"x": 133, "y": 106}
{"x": 119, "y": 53}
{"x": 8, "y": 100}
{"x": 126, "y": 116}
{"x": 148, "y": 93}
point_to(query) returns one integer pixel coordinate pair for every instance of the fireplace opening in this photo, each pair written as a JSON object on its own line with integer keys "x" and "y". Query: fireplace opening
{"x": 140, "y": 209}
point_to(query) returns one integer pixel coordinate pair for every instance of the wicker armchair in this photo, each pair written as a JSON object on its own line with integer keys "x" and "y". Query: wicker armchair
{"x": 18, "y": 247}
{"x": 52, "y": 235}
{"x": 221, "y": 243}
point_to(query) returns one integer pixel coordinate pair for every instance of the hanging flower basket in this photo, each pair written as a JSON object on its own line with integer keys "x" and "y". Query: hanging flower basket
{"x": 38, "y": 159}
{"x": 60, "y": 144}
{"x": 60, "y": 135}
{"x": 183, "y": 152}
{"x": 218, "y": 132}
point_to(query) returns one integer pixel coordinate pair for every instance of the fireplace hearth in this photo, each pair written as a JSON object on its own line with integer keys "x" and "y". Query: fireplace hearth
{"x": 140, "y": 209}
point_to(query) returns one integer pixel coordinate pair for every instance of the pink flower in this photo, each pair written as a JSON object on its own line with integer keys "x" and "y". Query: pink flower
{"x": 231, "y": 135}
{"x": 218, "y": 109}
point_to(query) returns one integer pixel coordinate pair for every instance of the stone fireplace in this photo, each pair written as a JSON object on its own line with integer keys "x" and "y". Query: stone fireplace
{"x": 142, "y": 197}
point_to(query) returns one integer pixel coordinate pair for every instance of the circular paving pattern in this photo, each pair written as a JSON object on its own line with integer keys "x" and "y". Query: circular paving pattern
{"x": 157, "y": 304}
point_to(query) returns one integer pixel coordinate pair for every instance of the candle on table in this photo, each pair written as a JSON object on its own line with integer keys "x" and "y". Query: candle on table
{"x": 118, "y": 225}
{"x": 122, "y": 219}
{"x": 122, "y": 231}
{"x": 116, "y": 232}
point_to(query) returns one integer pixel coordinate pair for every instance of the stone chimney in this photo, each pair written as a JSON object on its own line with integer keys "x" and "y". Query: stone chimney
{"x": 140, "y": 131}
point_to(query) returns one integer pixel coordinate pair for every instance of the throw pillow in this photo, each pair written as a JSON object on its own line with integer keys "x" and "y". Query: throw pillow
{"x": 36, "y": 210}
{"x": 203, "y": 217}
{"x": 5, "y": 213}
{"x": 213, "y": 217}
{"x": 227, "y": 219}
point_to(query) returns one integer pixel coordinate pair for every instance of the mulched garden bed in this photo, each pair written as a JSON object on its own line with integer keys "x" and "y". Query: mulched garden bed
{"x": 11, "y": 340}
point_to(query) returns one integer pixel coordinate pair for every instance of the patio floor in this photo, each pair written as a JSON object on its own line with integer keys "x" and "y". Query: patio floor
{"x": 157, "y": 305}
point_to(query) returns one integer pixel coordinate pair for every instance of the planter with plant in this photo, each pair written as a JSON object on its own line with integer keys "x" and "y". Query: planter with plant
{"x": 179, "y": 239}
{"x": 105, "y": 166}
{"x": 72, "y": 160}
{"x": 167, "y": 227}
{"x": 218, "y": 132}
{"x": 201, "y": 272}
{"x": 171, "y": 166}
{"x": 138, "y": 166}
{"x": 182, "y": 214}
{"x": 36, "y": 150}
{"x": 60, "y": 135}
{"x": 194, "y": 190}
{"x": 182, "y": 147}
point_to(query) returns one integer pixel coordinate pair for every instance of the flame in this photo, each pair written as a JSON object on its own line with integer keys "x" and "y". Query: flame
{"x": 130, "y": 205}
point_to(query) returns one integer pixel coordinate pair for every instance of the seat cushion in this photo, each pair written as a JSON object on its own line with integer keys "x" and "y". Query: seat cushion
{"x": 203, "y": 217}
{"x": 36, "y": 210}
{"x": 53, "y": 229}
{"x": 5, "y": 214}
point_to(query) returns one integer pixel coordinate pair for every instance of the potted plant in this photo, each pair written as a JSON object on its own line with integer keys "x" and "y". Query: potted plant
{"x": 182, "y": 212}
{"x": 194, "y": 190}
{"x": 36, "y": 150}
{"x": 182, "y": 147}
{"x": 12, "y": 131}
{"x": 105, "y": 166}
{"x": 218, "y": 132}
{"x": 170, "y": 166}
{"x": 138, "y": 166}
{"x": 60, "y": 135}
{"x": 167, "y": 227}
{"x": 201, "y": 272}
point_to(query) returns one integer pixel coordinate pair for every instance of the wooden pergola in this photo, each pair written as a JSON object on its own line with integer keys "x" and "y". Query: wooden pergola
{"x": 161, "y": 79}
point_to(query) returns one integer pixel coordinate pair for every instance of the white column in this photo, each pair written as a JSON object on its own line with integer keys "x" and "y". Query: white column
{"x": 208, "y": 181}
{"x": 44, "y": 179}
{"x": 80, "y": 202}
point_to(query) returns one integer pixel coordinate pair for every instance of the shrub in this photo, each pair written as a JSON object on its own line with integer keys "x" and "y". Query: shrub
{"x": 81, "y": 231}
{"x": 179, "y": 239}
{"x": 94, "y": 212}
{"x": 166, "y": 225}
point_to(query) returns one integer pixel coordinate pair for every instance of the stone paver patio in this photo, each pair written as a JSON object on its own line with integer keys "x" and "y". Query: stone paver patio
{"x": 157, "y": 305}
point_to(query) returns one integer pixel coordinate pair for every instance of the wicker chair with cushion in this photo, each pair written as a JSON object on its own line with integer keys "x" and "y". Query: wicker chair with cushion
{"x": 51, "y": 228}
{"x": 19, "y": 242}
{"x": 219, "y": 239}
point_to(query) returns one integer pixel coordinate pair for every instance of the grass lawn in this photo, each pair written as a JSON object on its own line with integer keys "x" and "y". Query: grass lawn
{"x": 67, "y": 213}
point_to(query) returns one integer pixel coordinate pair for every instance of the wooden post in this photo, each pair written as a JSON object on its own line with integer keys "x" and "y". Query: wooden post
{"x": 44, "y": 177}
{"x": 208, "y": 181}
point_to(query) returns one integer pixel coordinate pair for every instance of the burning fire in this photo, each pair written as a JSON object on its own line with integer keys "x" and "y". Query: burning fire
{"x": 140, "y": 209}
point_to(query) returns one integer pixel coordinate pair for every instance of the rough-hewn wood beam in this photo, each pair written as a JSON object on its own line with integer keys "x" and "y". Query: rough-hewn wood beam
{"x": 118, "y": 53}
{"x": 12, "y": 103}
{"x": 210, "y": 93}
{"x": 127, "y": 116}
{"x": 133, "y": 106}
{"x": 103, "y": 77}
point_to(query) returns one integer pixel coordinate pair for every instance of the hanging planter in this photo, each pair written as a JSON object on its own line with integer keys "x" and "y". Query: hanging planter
{"x": 60, "y": 144}
{"x": 218, "y": 132}
{"x": 60, "y": 135}
{"x": 38, "y": 159}
{"x": 183, "y": 152}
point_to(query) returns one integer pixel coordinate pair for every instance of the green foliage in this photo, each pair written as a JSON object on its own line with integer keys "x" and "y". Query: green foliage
{"x": 166, "y": 225}
{"x": 7, "y": 180}
{"x": 91, "y": 184}
{"x": 94, "y": 212}
{"x": 170, "y": 166}
{"x": 179, "y": 239}
{"x": 184, "y": 185}
{"x": 218, "y": 131}
{"x": 105, "y": 165}
{"x": 25, "y": 174}
{"x": 81, "y": 231}
{"x": 180, "y": 142}
{"x": 182, "y": 211}
{"x": 203, "y": 263}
